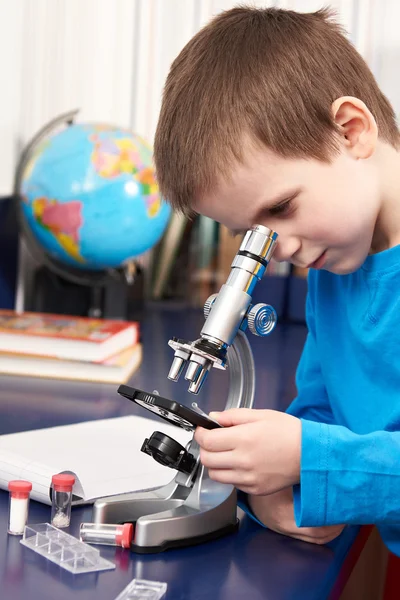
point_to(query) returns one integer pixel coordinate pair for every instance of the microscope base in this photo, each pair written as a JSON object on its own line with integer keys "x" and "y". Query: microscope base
{"x": 181, "y": 543}
{"x": 129, "y": 507}
{"x": 173, "y": 515}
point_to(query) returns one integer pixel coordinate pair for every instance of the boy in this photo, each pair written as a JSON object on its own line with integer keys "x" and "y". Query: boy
{"x": 272, "y": 117}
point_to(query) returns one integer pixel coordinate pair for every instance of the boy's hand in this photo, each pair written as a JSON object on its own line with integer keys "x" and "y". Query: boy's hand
{"x": 257, "y": 451}
{"x": 277, "y": 513}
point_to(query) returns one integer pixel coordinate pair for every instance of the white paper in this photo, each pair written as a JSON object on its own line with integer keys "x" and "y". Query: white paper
{"x": 104, "y": 455}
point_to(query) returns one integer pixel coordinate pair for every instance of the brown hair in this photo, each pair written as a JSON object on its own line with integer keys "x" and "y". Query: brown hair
{"x": 269, "y": 73}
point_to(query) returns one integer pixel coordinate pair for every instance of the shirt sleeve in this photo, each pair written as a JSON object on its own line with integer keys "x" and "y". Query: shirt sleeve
{"x": 347, "y": 478}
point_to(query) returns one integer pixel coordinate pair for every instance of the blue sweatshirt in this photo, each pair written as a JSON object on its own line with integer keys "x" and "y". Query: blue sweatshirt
{"x": 348, "y": 384}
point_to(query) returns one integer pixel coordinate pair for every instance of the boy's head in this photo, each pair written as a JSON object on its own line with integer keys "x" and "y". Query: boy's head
{"x": 266, "y": 106}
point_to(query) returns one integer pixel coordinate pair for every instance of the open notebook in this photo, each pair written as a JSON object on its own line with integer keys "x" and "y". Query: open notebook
{"x": 104, "y": 455}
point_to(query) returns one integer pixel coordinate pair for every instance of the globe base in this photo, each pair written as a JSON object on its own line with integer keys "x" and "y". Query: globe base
{"x": 115, "y": 299}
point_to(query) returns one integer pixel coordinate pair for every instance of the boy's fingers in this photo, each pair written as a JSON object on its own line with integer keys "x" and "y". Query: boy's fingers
{"x": 216, "y": 460}
{"x": 238, "y": 416}
{"x": 214, "y": 440}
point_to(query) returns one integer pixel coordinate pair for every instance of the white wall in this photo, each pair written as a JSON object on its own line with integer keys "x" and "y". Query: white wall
{"x": 110, "y": 58}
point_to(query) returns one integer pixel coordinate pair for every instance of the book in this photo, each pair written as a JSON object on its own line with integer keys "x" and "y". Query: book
{"x": 228, "y": 247}
{"x": 103, "y": 455}
{"x": 74, "y": 338}
{"x": 203, "y": 252}
{"x": 116, "y": 369}
{"x": 168, "y": 250}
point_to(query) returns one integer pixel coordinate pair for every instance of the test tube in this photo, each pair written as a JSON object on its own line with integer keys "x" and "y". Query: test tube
{"x": 106, "y": 533}
{"x": 61, "y": 499}
{"x": 18, "y": 506}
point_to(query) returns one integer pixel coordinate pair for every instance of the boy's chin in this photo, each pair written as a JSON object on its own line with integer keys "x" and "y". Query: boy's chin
{"x": 344, "y": 268}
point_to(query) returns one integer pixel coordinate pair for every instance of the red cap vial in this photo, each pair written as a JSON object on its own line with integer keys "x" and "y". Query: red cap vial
{"x": 18, "y": 506}
{"x": 107, "y": 533}
{"x": 61, "y": 502}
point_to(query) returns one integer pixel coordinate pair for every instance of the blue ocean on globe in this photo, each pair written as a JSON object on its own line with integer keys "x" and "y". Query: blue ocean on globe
{"x": 90, "y": 198}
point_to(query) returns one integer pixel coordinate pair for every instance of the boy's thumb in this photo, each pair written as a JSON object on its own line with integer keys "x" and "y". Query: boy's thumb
{"x": 238, "y": 416}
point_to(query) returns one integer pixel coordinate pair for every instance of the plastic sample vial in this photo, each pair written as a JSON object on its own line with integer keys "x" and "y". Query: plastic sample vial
{"x": 18, "y": 506}
{"x": 106, "y": 533}
{"x": 61, "y": 499}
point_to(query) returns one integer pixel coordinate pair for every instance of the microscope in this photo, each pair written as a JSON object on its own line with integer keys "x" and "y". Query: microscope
{"x": 193, "y": 508}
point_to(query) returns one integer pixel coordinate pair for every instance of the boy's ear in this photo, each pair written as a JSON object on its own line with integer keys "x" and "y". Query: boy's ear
{"x": 357, "y": 126}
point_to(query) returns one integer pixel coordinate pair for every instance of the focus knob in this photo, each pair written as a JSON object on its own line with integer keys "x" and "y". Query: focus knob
{"x": 262, "y": 319}
{"x": 208, "y": 304}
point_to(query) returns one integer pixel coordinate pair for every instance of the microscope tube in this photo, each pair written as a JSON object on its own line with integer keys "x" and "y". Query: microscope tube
{"x": 106, "y": 533}
{"x": 176, "y": 368}
{"x": 61, "y": 500}
{"x": 192, "y": 370}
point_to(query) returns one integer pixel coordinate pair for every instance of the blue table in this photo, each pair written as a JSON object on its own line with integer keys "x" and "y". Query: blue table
{"x": 254, "y": 564}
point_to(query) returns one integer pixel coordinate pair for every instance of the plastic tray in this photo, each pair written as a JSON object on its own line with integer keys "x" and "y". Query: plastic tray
{"x": 141, "y": 589}
{"x": 64, "y": 549}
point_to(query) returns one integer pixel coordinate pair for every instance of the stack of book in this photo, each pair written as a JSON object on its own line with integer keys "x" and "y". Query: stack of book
{"x": 64, "y": 347}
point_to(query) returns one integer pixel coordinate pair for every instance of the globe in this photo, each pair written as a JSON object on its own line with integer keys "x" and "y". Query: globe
{"x": 90, "y": 198}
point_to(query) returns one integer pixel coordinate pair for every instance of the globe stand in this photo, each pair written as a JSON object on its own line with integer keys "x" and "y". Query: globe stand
{"x": 54, "y": 287}
{"x": 114, "y": 299}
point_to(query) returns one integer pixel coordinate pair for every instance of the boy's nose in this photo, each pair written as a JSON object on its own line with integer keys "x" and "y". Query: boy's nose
{"x": 286, "y": 249}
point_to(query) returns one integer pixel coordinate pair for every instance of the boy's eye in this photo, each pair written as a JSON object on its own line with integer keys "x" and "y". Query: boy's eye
{"x": 282, "y": 209}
